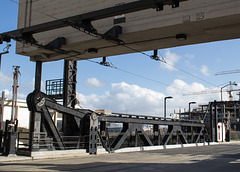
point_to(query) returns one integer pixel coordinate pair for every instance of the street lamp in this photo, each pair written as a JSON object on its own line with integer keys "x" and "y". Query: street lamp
{"x": 227, "y": 85}
{"x": 5, "y": 52}
{"x": 190, "y": 108}
{"x": 1, "y": 57}
{"x": 165, "y": 99}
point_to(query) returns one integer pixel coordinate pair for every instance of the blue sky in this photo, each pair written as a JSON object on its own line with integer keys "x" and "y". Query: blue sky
{"x": 101, "y": 87}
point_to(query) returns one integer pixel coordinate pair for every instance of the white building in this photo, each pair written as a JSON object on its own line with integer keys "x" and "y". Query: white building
{"x": 22, "y": 112}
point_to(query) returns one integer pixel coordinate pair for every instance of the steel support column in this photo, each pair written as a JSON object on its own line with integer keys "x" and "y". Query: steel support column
{"x": 211, "y": 122}
{"x": 69, "y": 95}
{"x": 215, "y": 121}
{"x": 38, "y": 75}
{"x": 156, "y": 137}
{"x": 93, "y": 134}
{"x": 35, "y": 118}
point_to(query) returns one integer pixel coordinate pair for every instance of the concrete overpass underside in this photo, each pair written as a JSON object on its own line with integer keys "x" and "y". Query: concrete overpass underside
{"x": 148, "y": 29}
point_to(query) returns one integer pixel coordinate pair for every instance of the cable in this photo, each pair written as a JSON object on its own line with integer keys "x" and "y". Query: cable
{"x": 191, "y": 74}
{"x": 131, "y": 73}
{"x": 171, "y": 65}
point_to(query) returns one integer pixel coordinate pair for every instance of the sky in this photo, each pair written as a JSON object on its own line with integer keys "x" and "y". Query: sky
{"x": 139, "y": 84}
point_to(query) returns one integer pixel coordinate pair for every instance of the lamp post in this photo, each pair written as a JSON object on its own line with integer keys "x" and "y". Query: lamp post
{"x": 165, "y": 108}
{"x": 190, "y": 108}
{"x": 5, "y": 52}
{"x": 1, "y": 57}
{"x": 227, "y": 85}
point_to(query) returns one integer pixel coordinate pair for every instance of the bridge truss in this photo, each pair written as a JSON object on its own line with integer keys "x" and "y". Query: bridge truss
{"x": 82, "y": 128}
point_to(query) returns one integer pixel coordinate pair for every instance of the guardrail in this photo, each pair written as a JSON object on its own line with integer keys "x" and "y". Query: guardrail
{"x": 41, "y": 141}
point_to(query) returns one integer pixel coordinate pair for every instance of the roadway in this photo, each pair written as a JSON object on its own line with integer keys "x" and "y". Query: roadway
{"x": 219, "y": 158}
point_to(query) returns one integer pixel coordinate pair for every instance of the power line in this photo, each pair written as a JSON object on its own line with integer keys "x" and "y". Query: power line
{"x": 162, "y": 60}
{"x": 137, "y": 75}
{"x": 191, "y": 74}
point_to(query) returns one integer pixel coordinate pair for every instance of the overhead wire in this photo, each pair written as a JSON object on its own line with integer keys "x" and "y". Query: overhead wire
{"x": 137, "y": 75}
{"x": 191, "y": 74}
{"x": 164, "y": 61}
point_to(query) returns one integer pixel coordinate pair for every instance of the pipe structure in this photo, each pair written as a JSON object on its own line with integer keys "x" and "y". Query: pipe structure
{"x": 190, "y": 108}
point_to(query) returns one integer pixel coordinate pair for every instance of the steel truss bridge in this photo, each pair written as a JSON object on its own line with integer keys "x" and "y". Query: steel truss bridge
{"x": 83, "y": 128}
{"x": 90, "y": 128}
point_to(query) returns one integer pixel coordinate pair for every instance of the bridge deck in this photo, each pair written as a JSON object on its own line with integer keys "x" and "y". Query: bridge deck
{"x": 221, "y": 158}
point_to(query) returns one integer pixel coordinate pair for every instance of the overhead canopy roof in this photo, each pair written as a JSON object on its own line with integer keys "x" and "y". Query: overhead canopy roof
{"x": 78, "y": 30}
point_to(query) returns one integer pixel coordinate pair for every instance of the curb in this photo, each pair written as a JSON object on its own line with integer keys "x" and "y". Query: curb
{"x": 147, "y": 148}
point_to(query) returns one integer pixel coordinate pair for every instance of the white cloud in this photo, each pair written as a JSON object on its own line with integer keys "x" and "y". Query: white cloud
{"x": 125, "y": 98}
{"x": 8, "y": 94}
{"x": 171, "y": 59}
{"x": 205, "y": 70}
{"x": 94, "y": 83}
{"x": 182, "y": 93}
{"x": 4, "y": 80}
{"x": 189, "y": 56}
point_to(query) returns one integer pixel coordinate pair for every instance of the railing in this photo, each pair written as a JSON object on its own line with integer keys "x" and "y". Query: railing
{"x": 54, "y": 87}
{"x": 23, "y": 141}
{"x": 157, "y": 118}
{"x": 41, "y": 141}
{"x": 72, "y": 142}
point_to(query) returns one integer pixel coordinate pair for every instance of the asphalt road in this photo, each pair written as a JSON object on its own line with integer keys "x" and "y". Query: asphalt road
{"x": 216, "y": 158}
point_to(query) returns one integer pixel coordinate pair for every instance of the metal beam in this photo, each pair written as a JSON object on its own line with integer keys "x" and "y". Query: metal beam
{"x": 70, "y": 124}
{"x": 38, "y": 75}
{"x": 148, "y": 121}
{"x": 34, "y": 116}
{"x": 37, "y": 100}
{"x": 52, "y": 129}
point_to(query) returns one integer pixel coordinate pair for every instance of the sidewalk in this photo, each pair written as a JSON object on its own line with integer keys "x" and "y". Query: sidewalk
{"x": 14, "y": 158}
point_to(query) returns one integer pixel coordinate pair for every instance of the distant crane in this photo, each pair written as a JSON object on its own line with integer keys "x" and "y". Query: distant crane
{"x": 216, "y": 91}
{"x": 228, "y": 72}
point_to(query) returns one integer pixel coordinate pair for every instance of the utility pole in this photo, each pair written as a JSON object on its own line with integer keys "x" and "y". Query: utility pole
{"x": 1, "y": 118}
{"x": 14, "y": 94}
{"x": 1, "y": 110}
{"x": 11, "y": 126}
